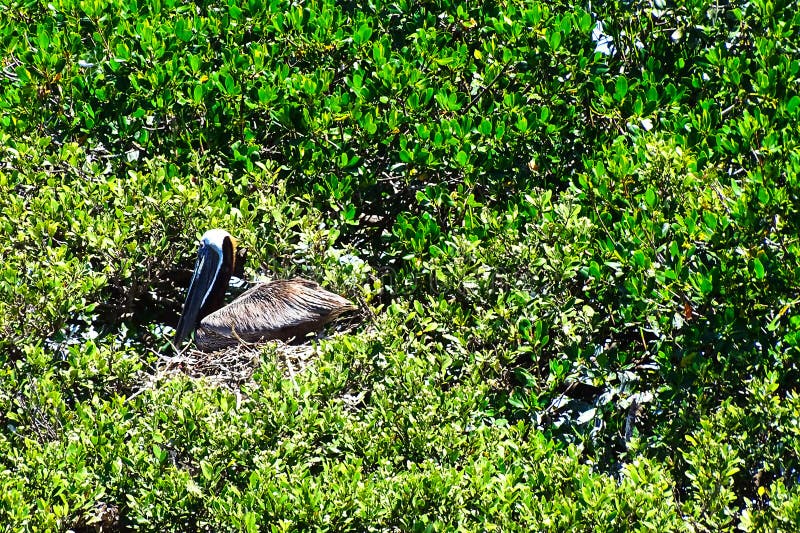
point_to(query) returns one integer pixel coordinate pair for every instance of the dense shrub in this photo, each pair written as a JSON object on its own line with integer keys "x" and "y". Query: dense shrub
{"x": 572, "y": 234}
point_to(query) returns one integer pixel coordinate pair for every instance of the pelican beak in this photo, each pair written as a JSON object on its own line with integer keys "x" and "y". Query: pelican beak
{"x": 206, "y": 270}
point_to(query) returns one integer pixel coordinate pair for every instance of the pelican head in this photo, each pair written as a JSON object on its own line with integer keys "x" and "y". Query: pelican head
{"x": 212, "y": 273}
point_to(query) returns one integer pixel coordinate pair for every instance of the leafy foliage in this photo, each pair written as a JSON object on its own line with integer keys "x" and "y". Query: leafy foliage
{"x": 573, "y": 236}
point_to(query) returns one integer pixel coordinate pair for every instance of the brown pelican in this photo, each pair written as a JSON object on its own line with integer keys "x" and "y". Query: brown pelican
{"x": 283, "y": 309}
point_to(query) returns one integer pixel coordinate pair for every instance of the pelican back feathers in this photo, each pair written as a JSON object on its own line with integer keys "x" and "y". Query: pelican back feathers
{"x": 283, "y": 310}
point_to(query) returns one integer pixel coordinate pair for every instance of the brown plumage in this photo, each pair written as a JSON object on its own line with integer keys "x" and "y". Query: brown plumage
{"x": 284, "y": 309}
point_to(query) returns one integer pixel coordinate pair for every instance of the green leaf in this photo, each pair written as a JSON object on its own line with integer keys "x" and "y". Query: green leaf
{"x": 793, "y": 104}
{"x": 207, "y": 469}
{"x": 159, "y": 453}
{"x": 706, "y": 284}
{"x": 363, "y": 34}
{"x": 544, "y": 114}
{"x": 639, "y": 258}
{"x": 230, "y": 84}
{"x": 555, "y": 40}
{"x": 43, "y": 39}
{"x": 182, "y": 31}
{"x": 585, "y": 23}
{"x": 758, "y": 268}
{"x": 710, "y": 218}
{"x": 650, "y": 197}
{"x": 620, "y": 88}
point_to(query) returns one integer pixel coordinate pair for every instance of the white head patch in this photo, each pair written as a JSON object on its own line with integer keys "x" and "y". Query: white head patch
{"x": 215, "y": 238}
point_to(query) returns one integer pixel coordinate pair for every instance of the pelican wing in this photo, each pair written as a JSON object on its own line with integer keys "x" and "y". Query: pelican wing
{"x": 276, "y": 310}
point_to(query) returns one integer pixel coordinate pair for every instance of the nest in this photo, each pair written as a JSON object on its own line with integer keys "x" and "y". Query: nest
{"x": 232, "y": 367}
